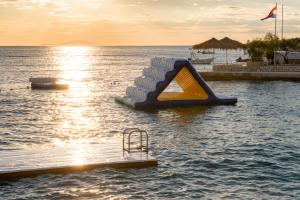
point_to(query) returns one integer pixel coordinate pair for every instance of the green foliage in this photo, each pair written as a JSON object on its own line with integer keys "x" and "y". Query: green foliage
{"x": 272, "y": 44}
{"x": 290, "y": 44}
{"x": 255, "y": 49}
{"x": 260, "y": 48}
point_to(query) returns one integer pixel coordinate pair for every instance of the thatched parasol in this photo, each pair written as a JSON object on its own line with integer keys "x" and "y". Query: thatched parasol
{"x": 228, "y": 43}
{"x": 213, "y": 43}
{"x": 225, "y": 43}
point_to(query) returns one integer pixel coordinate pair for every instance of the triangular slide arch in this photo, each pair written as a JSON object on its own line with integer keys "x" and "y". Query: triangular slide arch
{"x": 190, "y": 88}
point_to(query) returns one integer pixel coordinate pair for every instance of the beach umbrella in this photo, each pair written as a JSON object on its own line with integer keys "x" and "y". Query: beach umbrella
{"x": 213, "y": 43}
{"x": 227, "y": 43}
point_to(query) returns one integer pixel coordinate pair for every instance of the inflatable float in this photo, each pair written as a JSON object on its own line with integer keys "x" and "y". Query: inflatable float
{"x": 149, "y": 90}
{"x": 47, "y": 83}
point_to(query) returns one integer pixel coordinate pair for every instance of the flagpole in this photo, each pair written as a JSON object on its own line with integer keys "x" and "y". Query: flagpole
{"x": 276, "y": 22}
{"x": 274, "y": 53}
{"x": 282, "y": 23}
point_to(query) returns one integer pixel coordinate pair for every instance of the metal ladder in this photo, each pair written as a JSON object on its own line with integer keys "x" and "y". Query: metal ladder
{"x": 135, "y": 140}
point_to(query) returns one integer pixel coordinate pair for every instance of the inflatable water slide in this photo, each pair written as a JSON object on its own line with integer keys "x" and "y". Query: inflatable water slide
{"x": 150, "y": 90}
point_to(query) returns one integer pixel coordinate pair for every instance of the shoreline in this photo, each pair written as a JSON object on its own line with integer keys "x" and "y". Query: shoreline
{"x": 250, "y": 76}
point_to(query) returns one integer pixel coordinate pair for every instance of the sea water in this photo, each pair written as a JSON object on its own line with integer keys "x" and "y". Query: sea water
{"x": 247, "y": 151}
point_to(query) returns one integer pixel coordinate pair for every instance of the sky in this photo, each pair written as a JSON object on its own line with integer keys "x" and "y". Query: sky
{"x": 139, "y": 22}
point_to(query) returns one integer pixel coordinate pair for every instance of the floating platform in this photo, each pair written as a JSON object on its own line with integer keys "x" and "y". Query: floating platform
{"x": 150, "y": 90}
{"x": 47, "y": 83}
{"x": 49, "y": 86}
{"x": 70, "y": 158}
{"x": 250, "y": 76}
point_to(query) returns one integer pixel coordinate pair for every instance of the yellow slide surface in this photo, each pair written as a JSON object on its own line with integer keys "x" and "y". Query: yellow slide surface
{"x": 190, "y": 87}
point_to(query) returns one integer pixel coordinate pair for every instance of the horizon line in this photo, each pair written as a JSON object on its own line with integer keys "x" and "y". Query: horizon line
{"x": 58, "y": 45}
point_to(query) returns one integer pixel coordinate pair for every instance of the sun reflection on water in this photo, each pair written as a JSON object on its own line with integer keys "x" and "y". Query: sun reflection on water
{"x": 73, "y": 62}
{"x": 77, "y": 149}
{"x": 74, "y": 108}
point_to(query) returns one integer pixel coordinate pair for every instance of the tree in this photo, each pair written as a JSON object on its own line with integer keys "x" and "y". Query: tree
{"x": 259, "y": 48}
{"x": 288, "y": 45}
{"x": 271, "y": 44}
{"x": 255, "y": 49}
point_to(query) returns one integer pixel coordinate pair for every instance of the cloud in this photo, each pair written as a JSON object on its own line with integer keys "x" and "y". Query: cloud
{"x": 7, "y": 3}
{"x": 138, "y": 21}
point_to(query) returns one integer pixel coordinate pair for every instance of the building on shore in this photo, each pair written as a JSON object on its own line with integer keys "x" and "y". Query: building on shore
{"x": 287, "y": 57}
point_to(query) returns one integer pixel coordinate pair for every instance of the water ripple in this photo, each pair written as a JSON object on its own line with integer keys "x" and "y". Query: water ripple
{"x": 247, "y": 151}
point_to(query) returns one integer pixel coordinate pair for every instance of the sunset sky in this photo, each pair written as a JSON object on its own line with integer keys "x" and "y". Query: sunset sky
{"x": 138, "y": 22}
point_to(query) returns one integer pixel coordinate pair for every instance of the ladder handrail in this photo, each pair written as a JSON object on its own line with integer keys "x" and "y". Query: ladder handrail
{"x": 128, "y": 132}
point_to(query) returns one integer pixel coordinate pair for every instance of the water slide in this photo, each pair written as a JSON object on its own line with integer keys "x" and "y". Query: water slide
{"x": 150, "y": 90}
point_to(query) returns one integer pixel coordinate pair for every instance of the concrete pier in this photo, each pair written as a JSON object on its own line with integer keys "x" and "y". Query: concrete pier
{"x": 258, "y": 76}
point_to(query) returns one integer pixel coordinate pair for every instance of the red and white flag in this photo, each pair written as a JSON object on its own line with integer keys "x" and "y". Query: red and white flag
{"x": 272, "y": 14}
